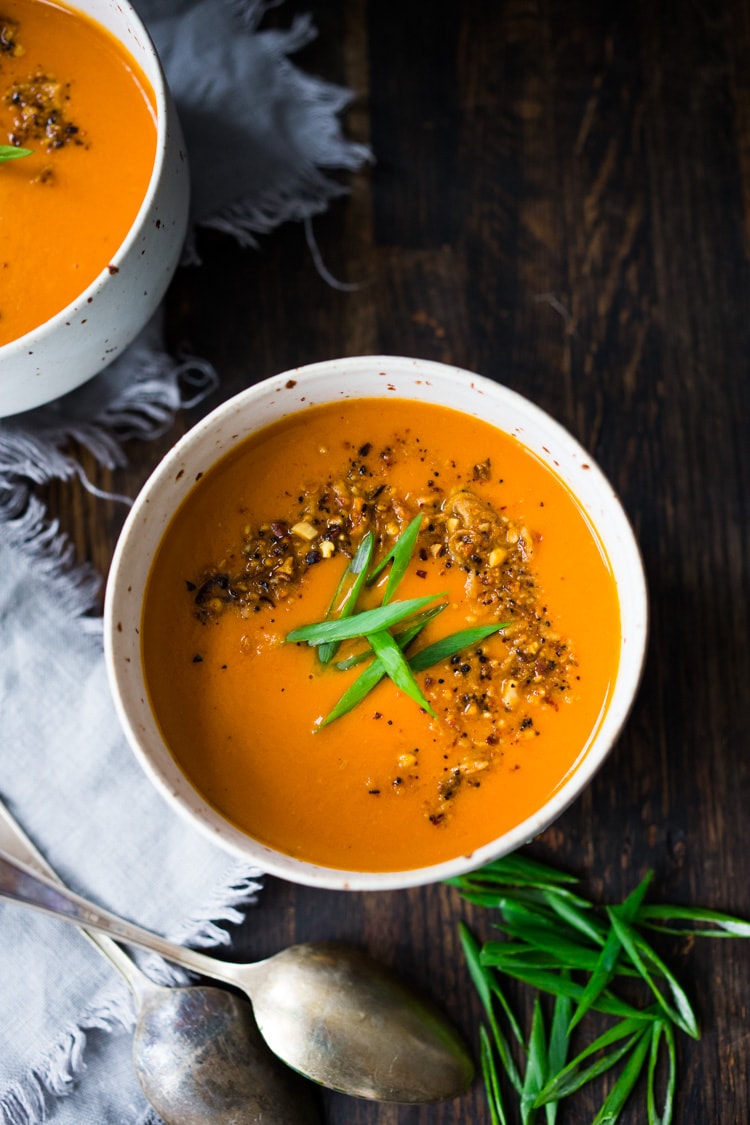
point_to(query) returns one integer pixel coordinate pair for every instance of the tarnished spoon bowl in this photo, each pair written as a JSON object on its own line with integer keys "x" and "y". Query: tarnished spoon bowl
{"x": 199, "y": 1057}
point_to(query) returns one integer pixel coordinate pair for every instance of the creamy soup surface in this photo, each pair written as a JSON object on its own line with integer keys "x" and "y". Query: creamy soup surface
{"x": 258, "y": 549}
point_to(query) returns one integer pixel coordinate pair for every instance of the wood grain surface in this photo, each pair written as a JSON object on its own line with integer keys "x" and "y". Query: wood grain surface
{"x": 561, "y": 201}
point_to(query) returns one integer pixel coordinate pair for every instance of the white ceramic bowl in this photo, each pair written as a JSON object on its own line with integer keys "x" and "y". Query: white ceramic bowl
{"x": 88, "y": 334}
{"x": 385, "y": 377}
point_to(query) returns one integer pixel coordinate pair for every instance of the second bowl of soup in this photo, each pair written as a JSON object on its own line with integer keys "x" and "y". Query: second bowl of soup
{"x": 93, "y": 192}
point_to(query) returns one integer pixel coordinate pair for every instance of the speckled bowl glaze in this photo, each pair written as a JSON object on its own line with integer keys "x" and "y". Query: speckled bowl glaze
{"x": 81, "y": 340}
{"x": 387, "y": 378}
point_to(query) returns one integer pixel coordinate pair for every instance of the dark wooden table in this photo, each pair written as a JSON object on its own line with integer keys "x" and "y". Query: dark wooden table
{"x": 561, "y": 201}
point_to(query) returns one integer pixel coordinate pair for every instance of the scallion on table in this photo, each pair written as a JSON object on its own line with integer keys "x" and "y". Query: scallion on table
{"x": 560, "y": 944}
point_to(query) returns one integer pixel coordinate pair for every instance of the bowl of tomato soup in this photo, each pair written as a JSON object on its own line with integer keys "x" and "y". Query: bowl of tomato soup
{"x": 375, "y": 622}
{"x": 93, "y": 192}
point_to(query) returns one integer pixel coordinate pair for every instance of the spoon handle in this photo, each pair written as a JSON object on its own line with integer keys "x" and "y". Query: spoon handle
{"x": 22, "y": 885}
{"x": 16, "y": 843}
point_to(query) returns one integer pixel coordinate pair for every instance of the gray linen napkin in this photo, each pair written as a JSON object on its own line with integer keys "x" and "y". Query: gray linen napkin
{"x": 65, "y": 770}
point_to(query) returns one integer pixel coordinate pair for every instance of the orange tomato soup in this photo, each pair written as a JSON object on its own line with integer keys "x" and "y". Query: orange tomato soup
{"x": 71, "y": 94}
{"x": 257, "y": 549}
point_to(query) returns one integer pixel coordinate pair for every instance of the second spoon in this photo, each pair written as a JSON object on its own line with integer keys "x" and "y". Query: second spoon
{"x": 197, "y": 1052}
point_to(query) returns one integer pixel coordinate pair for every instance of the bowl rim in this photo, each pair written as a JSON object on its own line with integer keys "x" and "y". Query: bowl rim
{"x": 158, "y": 83}
{"x": 426, "y": 373}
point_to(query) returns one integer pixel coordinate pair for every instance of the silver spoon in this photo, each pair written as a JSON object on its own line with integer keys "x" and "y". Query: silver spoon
{"x": 197, "y": 1052}
{"x": 329, "y": 1012}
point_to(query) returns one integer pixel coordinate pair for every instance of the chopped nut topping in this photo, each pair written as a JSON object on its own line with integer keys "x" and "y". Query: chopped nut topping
{"x": 485, "y": 696}
{"x": 9, "y": 44}
{"x": 305, "y": 530}
{"x": 38, "y": 108}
